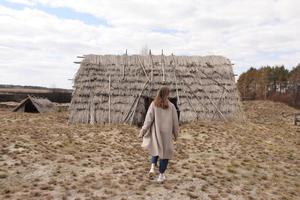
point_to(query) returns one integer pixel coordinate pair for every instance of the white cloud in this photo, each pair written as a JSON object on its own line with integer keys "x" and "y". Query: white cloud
{"x": 250, "y": 32}
{"x": 25, "y": 2}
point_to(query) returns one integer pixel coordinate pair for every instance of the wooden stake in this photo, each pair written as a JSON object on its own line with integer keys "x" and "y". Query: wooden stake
{"x": 188, "y": 99}
{"x": 219, "y": 102}
{"x": 109, "y": 82}
{"x": 194, "y": 94}
{"x": 143, "y": 68}
{"x": 92, "y": 110}
{"x": 137, "y": 102}
{"x": 163, "y": 64}
{"x": 130, "y": 110}
{"x": 219, "y": 84}
{"x": 217, "y": 109}
{"x": 151, "y": 75}
{"x": 124, "y": 65}
{"x": 175, "y": 79}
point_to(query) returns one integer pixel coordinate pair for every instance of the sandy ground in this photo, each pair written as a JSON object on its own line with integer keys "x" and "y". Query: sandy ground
{"x": 41, "y": 157}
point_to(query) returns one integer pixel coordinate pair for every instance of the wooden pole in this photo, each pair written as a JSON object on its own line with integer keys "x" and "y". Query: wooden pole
{"x": 217, "y": 109}
{"x": 151, "y": 75}
{"x": 124, "y": 65}
{"x": 92, "y": 109}
{"x": 210, "y": 100}
{"x": 137, "y": 102}
{"x": 143, "y": 68}
{"x": 219, "y": 84}
{"x": 188, "y": 99}
{"x": 109, "y": 99}
{"x": 130, "y": 110}
{"x": 163, "y": 65}
{"x": 219, "y": 102}
{"x": 295, "y": 93}
{"x": 194, "y": 95}
{"x": 175, "y": 79}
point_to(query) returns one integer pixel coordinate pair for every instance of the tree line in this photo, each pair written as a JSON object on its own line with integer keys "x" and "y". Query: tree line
{"x": 271, "y": 82}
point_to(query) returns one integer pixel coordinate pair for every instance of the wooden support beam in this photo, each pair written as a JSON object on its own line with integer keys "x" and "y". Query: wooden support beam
{"x": 217, "y": 83}
{"x": 191, "y": 91}
{"x": 219, "y": 102}
{"x": 92, "y": 109}
{"x": 190, "y": 103}
{"x": 152, "y": 66}
{"x": 163, "y": 65}
{"x": 124, "y": 65}
{"x": 217, "y": 109}
{"x": 137, "y": 102}
{"x": 143, "y": 68}
{"x": 109, "y": 98}
{"x": 130, "y": 110}
{"x": 178, "y": 100}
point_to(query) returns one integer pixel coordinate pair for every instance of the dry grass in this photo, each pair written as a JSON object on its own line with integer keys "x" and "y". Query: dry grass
{"x": 41, "y": 157}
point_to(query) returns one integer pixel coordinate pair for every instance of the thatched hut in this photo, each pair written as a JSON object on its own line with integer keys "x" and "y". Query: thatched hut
{"x": 34, "y": 105}
{"x": 119, "y": 88}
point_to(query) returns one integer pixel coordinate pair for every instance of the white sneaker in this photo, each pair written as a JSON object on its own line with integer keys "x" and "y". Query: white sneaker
{"x": 152, "y": 169}
{"x": 161, "y": 178}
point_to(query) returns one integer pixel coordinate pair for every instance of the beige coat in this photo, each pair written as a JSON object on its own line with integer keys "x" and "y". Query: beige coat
{"x": 160, "y": 126}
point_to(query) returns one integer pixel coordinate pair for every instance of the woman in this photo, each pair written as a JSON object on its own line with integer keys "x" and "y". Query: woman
{"x": 160, "y": 126}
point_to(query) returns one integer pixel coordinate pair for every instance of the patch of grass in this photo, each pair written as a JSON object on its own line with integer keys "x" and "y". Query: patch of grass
{"x": 192, "y": 188}
{"x": 3, "y": 175}
{"x": 231, "y": 170}
{"x": 235, "y": 164}
{"x": 204, "y": 188}
{"x": 46, "y": 187}
{"x": 264, "y": 177}
{"x": 192, "y": 195}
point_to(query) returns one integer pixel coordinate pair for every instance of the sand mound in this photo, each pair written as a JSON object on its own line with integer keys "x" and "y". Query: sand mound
{"x": 41, "y": 157}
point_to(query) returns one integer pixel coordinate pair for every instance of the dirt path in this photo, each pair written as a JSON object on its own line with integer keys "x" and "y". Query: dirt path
{"x": 41, "y": 157}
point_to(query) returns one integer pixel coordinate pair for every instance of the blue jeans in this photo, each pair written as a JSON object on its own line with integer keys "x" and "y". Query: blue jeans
{"x": 163, "y": 163}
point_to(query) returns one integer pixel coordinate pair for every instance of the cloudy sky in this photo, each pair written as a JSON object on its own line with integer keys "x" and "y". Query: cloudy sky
{"x": 40, "y": 39}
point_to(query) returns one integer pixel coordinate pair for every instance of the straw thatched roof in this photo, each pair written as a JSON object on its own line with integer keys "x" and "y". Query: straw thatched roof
{"x": 117, "y": 88}
{"x": 34, "y": 105}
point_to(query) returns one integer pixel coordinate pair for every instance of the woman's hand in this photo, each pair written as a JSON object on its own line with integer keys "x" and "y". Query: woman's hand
{"x": 141, "y": 134}
{"x": 175, "y": 138}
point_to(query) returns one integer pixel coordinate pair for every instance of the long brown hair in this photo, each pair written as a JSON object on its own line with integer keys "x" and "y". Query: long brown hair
{"x": 161, "y": 99}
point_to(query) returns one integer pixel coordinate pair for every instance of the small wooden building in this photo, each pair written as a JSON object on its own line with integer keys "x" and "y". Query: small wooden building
{"x": 34, "y": 105}
{"x": 120, "y": 88}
